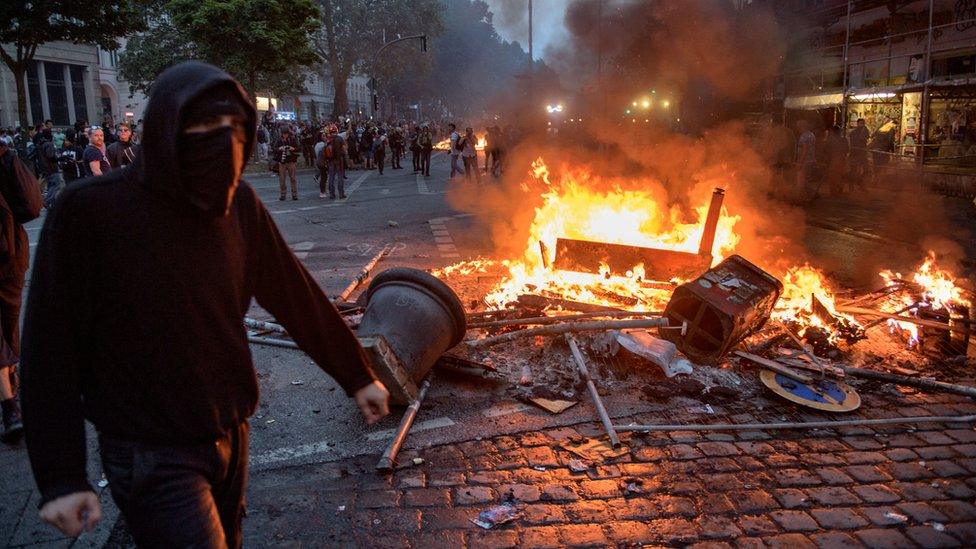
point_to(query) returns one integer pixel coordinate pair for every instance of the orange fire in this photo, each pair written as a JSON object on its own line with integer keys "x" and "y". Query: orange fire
{"x": 445, "y": 144}
{"x": 800, "y": 286}
{"x": 938, "y": 291}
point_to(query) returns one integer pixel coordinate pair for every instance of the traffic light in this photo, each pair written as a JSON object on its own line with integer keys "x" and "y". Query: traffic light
{"x": 423, "y": 43}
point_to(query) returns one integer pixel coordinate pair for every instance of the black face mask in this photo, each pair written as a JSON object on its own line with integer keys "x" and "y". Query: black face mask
{"x": 207, "y": 170}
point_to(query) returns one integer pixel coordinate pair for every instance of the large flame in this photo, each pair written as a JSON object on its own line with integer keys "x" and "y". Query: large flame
{"x": 572, "y": 208}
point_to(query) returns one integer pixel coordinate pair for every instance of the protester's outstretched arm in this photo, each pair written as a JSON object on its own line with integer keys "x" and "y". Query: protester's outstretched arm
{"x": 286, "y": 289}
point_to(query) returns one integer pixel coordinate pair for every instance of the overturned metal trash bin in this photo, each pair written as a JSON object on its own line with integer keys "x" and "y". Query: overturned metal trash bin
{"x": 411, "y": 318}
{"x": 722, "y": 306}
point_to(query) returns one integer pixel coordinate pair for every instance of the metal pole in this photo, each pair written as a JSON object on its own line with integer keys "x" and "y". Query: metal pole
{"x": 581, "y": 364}
{"x": 923, "y": 122}
{"x": 273, "y": 342}
{"x": 799, "y": 425}
{"x": 847, "y": 44}
{"x": 388, "y": 458}
{"x": 363, "y": 275}
{"x": 531, "y": 63}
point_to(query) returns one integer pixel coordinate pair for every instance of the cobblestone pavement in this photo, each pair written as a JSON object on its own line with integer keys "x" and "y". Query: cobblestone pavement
{"x": 886, "y": 486}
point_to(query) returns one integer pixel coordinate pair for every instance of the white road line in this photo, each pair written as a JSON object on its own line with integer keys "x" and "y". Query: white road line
{"x": 422, "y": 187}
{"x": 301, "y": 249}
{"x": 504, "y": 409}
{"x": 436, "y": 423}
{"x": 284, "y": 454}
{"x": 349, "y": 190}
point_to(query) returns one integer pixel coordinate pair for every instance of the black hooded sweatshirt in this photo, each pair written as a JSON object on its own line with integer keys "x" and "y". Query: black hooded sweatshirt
{"x": 135, "y": 313}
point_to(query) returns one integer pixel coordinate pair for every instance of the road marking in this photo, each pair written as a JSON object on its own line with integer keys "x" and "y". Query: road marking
{"x": 436, "y": 423}
{"x": 284, "y": 454}
{"x": 504, "y": 409}
{"x": 422, "y": 187}
{"x": 301, "y": 249}
{"x": 336, "y": 203}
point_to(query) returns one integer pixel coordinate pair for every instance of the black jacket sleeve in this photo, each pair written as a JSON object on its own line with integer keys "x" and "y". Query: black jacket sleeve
{"x": 51, "y": 361}
{"x": 286, "y": 290}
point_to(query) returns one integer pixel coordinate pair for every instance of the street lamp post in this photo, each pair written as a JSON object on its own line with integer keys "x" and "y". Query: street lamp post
{"x": 372, "y": 80}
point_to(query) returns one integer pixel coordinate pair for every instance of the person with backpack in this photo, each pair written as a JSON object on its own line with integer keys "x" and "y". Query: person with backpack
{"x": 455, "y": 150}
{"x": 329, "y": 156}
{"x": 71, "y": 158}
{"x": 20, "y": 202}
{"x": 379, "y": 149}
{"x": 366, "y": 147}
{"x": 46, "y": 157}
{"x": 426, "y": 148}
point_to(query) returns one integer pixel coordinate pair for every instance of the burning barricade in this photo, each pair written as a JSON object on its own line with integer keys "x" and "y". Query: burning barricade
{"x": 603, "y": 281}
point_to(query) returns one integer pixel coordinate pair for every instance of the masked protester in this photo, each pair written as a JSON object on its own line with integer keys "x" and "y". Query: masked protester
{"x": 135, "y": 317}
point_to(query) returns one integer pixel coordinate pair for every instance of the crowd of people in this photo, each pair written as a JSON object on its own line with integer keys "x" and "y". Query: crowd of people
{"x": 60, "y": 155}
{"x": 845, "y": 163}
{"x": 333, "y": 148}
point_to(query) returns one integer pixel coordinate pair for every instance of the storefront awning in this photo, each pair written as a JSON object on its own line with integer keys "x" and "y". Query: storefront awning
{"x": 813, "y": 102}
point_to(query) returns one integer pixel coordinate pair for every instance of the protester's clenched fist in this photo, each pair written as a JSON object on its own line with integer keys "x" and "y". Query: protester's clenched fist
{"x": 373, "y": 402}
{"x": 74, "y": 513}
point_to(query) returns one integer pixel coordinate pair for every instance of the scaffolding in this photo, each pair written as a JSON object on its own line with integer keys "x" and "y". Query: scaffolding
{"x": 874, "y": 52}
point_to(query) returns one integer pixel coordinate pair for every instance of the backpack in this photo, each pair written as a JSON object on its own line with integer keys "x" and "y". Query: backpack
{"x": 326, "y": 154}
{"x": 24, "y": 193}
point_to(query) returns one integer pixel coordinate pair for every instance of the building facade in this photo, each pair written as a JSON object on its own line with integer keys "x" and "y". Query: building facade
{"x": 67, "y": 83}
{"x": 907, "y": 66}
{"x": 62, "y": 85}
{"x": 319, "y": 97}
{"x": 115, "y": 97}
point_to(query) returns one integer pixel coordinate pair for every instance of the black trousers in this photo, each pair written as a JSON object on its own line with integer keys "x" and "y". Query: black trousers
{"x": 425, "y": 161}
{"x": 180, "y": 496}
{"x": 416, "y": 159}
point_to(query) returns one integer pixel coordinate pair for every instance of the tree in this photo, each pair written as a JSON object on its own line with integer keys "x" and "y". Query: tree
{"x": 251, "y": 39}
{"x": 352, "y": 31}
{"x": 149, "y": 53}
{"x": 26, "y": 24}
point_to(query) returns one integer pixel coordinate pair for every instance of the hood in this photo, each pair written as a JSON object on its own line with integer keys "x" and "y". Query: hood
{"x": 156, "y": 163}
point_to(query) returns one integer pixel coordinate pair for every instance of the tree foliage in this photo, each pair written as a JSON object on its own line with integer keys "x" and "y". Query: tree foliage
{"x": 26, "y": 24}
{"x": 266, "y": 44}
{"x": 149, "y": 53}
{"x": 250, "y": 37}
{"x": 353, "y": 30}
